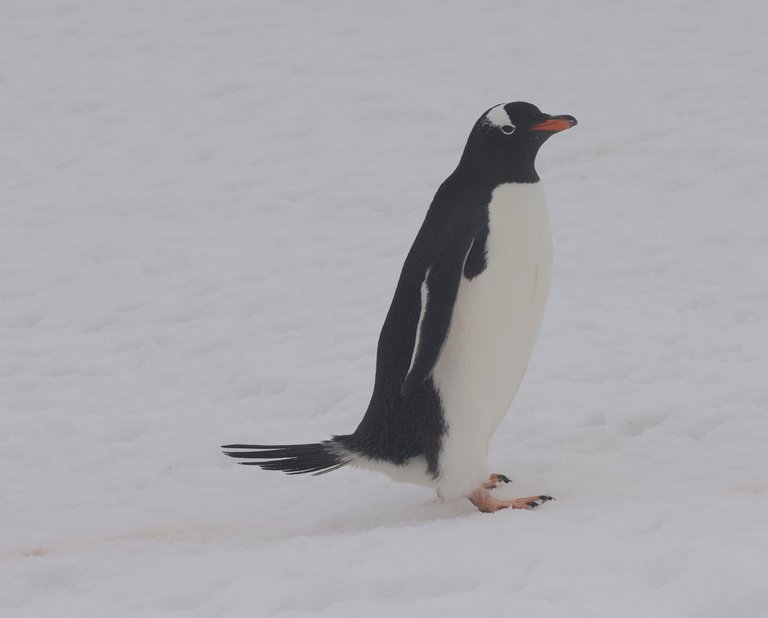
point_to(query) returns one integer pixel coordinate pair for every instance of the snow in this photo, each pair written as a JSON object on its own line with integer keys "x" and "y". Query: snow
{"x": 205, "y": 207}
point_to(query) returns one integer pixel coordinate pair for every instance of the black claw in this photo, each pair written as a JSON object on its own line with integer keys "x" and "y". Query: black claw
{"x": 545, "y": 498}
{"x": 533, "y": 505}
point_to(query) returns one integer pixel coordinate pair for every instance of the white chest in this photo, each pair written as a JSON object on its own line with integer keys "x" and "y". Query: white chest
{"x": 497, "y": 315}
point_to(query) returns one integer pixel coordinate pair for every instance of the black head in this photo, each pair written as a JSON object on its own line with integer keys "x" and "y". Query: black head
{"x": 505, "y": 140}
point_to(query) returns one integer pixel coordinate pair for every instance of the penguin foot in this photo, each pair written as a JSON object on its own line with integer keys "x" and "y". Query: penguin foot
{"x": 486, "y": 503}
{"x": 494, "y": 480}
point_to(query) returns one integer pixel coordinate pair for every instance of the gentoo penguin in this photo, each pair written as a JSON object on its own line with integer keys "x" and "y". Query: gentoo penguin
{"x": 461, "y": 327}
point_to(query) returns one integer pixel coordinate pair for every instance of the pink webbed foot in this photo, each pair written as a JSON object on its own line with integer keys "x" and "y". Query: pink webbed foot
{"x": 486, "y": 503}
{"x": 494, "y": 480}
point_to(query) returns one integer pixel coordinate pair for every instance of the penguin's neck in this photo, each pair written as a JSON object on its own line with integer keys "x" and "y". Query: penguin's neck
{"x": 520, "y": 168}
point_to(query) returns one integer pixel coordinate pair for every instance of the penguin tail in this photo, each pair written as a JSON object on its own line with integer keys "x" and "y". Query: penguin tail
{"x": 317, "y": 458}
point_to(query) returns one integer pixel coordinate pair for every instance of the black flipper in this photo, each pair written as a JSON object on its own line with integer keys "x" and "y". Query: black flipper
{"x": 317, "y": 458}
{"x": 441, "y": 285}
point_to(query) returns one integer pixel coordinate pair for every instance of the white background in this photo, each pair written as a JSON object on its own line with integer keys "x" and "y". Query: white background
{"x": 204, "y": 207}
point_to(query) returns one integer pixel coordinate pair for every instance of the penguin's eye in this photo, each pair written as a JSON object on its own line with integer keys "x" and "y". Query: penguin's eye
{"x": 508, "y": 129}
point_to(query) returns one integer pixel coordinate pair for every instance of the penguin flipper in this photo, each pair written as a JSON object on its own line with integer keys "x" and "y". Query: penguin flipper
{"x": 438, "y": 295}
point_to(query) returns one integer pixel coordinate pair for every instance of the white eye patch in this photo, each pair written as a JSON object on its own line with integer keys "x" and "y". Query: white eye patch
{"x": 498, "y": 117}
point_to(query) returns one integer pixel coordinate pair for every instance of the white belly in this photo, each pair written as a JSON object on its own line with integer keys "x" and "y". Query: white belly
{"x": 494, "y": 327}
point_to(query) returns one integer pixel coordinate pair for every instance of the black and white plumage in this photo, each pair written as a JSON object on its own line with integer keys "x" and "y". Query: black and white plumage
{"x": 462, "y": 324}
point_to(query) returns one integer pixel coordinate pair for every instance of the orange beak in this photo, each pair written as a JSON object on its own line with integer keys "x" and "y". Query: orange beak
{"x": 555, "y": 123}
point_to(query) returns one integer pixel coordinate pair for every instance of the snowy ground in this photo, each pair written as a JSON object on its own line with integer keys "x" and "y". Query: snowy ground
{"x": 205, "y": 206}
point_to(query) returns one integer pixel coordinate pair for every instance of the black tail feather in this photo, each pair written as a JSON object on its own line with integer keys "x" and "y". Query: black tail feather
{"x": 318, "y": 458}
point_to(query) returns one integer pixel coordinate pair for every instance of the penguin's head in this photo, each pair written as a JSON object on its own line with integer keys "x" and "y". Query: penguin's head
{"x": 506, "y": 138}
